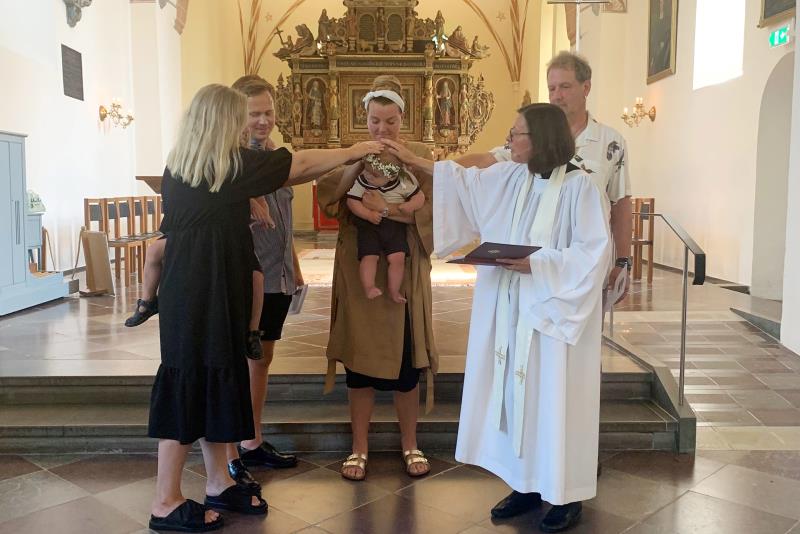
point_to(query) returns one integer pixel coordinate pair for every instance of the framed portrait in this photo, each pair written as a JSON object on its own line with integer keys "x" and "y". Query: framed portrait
{"x": 773, "y": 11}
{"x": 662, "y": 39}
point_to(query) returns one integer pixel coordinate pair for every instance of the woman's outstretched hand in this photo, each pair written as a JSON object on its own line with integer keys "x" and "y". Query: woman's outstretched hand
{"x": 359, "y": 150}
{"x": 398, "y": 149}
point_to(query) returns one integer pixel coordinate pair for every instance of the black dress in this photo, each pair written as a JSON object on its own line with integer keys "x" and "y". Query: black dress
{"x": 202, "y": 388}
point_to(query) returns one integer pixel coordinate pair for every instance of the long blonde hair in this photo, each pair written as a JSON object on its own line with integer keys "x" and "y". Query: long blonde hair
{"x": 207, "y": 146}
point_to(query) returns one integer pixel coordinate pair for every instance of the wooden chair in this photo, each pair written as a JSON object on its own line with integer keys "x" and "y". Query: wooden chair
{"x": 147, "y": 219}
{"x": 643, "y": 233}
{"x": 121, "y": 231}
{"x": 95, "y": 211}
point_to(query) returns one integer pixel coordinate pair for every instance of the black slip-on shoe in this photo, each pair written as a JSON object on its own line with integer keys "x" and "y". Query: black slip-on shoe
{"x": 561, "y": 518}
{"x": 268, "y": 456}
{"x": 515, "y": 504}
{"x": 243, "y": 478}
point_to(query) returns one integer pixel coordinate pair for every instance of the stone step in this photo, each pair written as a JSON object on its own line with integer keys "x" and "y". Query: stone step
{"x": 90, "y": 390}
{"x": 307, "y": 426}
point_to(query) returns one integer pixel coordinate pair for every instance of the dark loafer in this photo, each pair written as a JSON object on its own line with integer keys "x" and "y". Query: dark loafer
{"x": 515, "y": 504}
{"x": 242, "y": 476}
{"x": 561, "y": 518}
{"x": 237, "y": 499}
{"x": 267, "y": 456}
{"x": 188, "y": 517}
{"x": 144, "y": 310}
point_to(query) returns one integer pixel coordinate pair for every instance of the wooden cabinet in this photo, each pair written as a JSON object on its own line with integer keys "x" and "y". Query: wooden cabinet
{"x": 19, "y": 288}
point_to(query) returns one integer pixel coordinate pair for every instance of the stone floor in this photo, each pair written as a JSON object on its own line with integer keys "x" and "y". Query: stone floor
{"x": 744, "y": 478}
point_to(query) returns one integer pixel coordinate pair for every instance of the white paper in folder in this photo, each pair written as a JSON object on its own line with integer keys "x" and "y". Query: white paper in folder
{"x": 298, "y": 298}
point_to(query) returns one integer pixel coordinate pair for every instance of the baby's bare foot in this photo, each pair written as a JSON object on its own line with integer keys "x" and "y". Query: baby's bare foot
{"x": 374, "y": 292}
{"x": 398, "y": 298}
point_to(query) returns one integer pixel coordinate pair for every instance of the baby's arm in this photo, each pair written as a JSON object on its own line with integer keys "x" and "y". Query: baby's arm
{"x": 360, "y": 210}
{"x": 414, "y": 203}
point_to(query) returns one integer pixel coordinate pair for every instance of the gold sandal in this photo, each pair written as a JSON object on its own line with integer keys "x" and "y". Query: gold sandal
{"x": 415, "y": 456}
{"x": 357, "y": 460}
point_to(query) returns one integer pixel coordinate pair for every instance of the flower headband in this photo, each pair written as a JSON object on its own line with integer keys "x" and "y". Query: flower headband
{"x": 386, "y": 168}
{"x": 391, "y": 95}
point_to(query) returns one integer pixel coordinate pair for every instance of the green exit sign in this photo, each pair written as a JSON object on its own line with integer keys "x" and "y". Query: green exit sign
{"x": 779, "y": 37}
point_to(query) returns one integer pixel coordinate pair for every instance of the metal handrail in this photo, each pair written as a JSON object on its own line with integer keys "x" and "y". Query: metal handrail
{"x": 689, "y": 245}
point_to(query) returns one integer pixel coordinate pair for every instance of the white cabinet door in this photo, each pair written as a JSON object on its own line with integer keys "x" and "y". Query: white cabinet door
{"x": 16, "y": 166}
{"x": 6, "y": 217}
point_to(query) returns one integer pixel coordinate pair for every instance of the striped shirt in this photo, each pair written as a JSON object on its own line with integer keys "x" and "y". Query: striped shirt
{"x": 273, "y": 246}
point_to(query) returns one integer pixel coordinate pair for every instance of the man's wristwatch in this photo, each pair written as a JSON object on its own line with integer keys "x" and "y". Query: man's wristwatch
{"x": 385, "y": 212}
{"x": 623, "y": 262}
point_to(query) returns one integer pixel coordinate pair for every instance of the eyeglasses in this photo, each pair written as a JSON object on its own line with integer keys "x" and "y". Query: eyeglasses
{"x": 512, "y": 133}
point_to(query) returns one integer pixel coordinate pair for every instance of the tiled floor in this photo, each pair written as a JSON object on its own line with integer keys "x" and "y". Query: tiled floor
{"x": 725, "y": 492}
{"x": 744, "y": 386}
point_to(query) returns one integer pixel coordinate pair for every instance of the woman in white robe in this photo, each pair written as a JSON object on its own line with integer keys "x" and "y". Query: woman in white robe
{"x": 531, "y": 401}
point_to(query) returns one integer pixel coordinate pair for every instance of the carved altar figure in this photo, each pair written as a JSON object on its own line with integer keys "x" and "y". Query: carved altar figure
{"x": 297, "y": 110}
{"x": 306, "y": 45}
{"x": 410, "y": 16}
{"x": 283, "y": 103}
{"x": 478, "y": 50}
{"x": 445, "y": 104}
{"x": 458, "y": 39}
{"x": 333, "y": 109}
{"x": 440, "y": 35}
{"x": 381, "y": 23}
{"x": 323, "y": 28}
{"x": 463, "y": 108}
{"x": 314, "y": 111}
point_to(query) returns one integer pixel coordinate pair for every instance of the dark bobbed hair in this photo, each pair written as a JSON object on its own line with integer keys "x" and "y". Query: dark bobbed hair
{"x": 550, "y": 135}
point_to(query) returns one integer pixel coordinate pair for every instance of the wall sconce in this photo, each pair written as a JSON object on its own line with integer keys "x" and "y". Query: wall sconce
{"x": 117, "y": 115}
{"x": 638, "y": 114}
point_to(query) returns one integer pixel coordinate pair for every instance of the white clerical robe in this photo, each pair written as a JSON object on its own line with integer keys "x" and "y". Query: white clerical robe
{"x": 560, "y": 301}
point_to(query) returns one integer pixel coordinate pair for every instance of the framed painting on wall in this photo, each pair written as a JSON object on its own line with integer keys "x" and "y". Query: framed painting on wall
{"x": 775, "y": 10}
{"x": 662, "y": 39}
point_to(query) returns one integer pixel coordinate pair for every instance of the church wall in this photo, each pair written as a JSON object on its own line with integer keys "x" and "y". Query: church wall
{"x": 790, "y": 334}
{"x": 699, "y": 158}
{"x": 212, "y": 53}
{"x": 146, "y": 88}
{"x": 69, "y": 154}
{"x": 156, "y": 71}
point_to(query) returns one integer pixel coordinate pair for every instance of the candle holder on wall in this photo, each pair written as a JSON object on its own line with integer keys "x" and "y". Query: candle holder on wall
{"x": 638, "y": 113}
{"x": 116, "y": 114}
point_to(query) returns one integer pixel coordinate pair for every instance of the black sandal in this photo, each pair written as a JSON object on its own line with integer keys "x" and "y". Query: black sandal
{"x": 253, "y": 346}
{"x": 237, "y": 499}
{"x": 144, "y": 310}
{"x": 188, "y": 517}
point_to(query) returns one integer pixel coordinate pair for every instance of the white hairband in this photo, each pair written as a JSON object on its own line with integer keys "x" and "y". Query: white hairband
{"x": 391, "y": 95}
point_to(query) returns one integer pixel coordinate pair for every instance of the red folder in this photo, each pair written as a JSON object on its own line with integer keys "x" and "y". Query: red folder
{"x": 488, "y": 253}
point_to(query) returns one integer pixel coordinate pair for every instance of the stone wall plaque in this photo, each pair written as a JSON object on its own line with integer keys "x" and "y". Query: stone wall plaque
{"x": 72, "y": 72}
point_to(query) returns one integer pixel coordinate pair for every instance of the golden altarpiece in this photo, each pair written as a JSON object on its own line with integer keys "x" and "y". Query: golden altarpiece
{"x": 320, "y": 103}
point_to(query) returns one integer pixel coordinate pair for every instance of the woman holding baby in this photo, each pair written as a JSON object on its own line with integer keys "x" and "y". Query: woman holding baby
{"x": 383, "y": 338}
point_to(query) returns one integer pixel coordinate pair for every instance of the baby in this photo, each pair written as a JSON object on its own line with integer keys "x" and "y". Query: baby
{"x": 377, "y": 234}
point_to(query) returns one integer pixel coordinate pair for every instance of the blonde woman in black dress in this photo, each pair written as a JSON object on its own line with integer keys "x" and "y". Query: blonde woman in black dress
{"x": 201, "y": 391}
